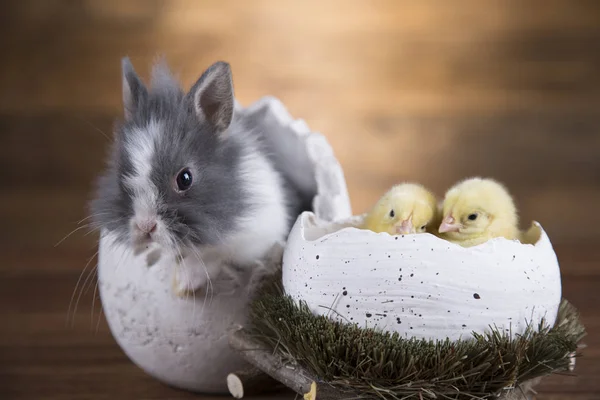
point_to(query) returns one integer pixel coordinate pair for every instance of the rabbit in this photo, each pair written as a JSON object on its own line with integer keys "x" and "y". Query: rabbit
{"x": 184, "y": 175}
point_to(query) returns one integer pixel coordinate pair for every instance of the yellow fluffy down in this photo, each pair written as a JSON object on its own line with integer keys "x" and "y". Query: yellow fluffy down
{"x": 405, "y": 208}
{"x": 476, "y": 210}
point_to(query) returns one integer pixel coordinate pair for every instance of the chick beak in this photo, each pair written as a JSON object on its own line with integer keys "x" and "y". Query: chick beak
{"x": 405, "y": 227}
{"x": 449, "y": 225}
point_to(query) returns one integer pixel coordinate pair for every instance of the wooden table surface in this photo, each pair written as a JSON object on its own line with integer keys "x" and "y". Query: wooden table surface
{"x": 429, "y": 90}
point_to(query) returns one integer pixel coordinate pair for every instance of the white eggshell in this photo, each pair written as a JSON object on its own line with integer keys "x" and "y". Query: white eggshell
{"x": 183, "y": 341}
{"x": 420, "y": 285}
{"x": 180, "y": 341}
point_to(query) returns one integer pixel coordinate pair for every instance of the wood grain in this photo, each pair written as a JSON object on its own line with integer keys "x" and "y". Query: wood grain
{"x": 430, "y": 90}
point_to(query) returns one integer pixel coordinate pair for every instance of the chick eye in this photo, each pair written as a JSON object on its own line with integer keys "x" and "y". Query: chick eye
{"x": 184, "y": 180}
{"x": 423, "y": 227}
{"x": 472, "y": 217}
{"x": 392, "y": 214}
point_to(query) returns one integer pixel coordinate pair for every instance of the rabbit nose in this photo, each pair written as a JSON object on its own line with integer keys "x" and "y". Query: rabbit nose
{"x": 146, "y": 226}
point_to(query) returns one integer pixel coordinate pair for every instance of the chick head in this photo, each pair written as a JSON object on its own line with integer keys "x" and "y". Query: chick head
{"x": 405, "y": 208}
{"x": 477, "y": 207}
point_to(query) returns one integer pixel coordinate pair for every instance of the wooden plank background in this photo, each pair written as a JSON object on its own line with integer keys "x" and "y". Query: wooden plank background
{"x": 426, "y": 90}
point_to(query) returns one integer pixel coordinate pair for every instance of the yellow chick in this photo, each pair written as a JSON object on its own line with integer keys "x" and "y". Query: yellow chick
{"x": 405, "y": 208}
{"x": 476, "y": 210}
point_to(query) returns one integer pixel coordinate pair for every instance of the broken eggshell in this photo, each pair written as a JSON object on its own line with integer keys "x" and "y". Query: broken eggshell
{"x": 420, "y": 285}
{"x": 183, "y": 341}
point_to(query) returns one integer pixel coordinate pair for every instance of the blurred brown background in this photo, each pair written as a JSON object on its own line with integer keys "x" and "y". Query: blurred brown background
{"x": 431, "y": 91}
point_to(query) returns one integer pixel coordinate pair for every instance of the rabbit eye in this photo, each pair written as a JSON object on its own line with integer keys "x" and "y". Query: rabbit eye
{"x": 392, "y": 214}
{"x": 184, "y": 180}
{"x": 472, "y": 217}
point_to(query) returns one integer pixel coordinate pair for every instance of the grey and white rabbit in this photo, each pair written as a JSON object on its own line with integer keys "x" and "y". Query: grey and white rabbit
{"x": 184, "y": 175}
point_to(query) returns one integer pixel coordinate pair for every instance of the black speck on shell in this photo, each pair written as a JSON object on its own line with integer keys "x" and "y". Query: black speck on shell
{"x": 345, "y": 292}
{"x": 411, "y": 275}
{"x": 464, "y": 326}
{"x": 317, "y": 256}
{"x": 476, "y": 296}
{"x": 369, "y": 315}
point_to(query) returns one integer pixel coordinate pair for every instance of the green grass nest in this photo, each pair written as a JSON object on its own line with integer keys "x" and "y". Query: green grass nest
{"x": 375, "y": 364}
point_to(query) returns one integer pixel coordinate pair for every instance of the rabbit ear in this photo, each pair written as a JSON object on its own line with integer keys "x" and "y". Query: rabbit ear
{"x": 212, "y": 96}
{"x": 133, "y": 88}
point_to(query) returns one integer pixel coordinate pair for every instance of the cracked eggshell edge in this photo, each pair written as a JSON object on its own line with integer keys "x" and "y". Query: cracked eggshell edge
{"x": 332, "y": 201}
{"x": 420, "y": 285}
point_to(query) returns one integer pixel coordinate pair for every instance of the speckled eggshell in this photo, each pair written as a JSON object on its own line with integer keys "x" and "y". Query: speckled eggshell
{"x": 420, "y": 285}
{"x": 180, "y": 341}
{"x": 183, "y": 341}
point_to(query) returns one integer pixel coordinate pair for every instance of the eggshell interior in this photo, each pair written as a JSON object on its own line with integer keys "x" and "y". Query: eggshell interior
{"x": 420, "y": 285}
{"x": 183, "y": 341}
